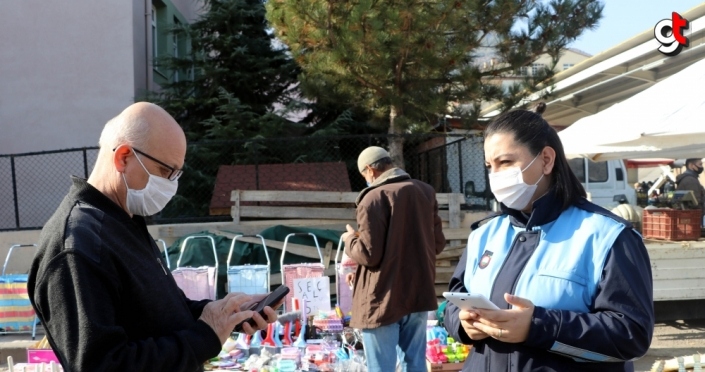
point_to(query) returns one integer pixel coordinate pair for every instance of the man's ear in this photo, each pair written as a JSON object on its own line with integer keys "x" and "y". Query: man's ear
{"x": 120, "y": 155}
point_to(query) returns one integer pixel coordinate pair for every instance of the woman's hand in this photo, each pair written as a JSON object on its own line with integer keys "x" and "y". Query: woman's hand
{"x": 511, "y": 325}
{"x": 467, "y": 318}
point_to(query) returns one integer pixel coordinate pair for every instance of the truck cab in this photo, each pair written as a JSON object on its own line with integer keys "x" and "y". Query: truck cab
{"x": 606, "y": 181}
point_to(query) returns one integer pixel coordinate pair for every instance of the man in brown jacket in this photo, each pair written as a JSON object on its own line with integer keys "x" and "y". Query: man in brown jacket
{"x": 400, "y": 234}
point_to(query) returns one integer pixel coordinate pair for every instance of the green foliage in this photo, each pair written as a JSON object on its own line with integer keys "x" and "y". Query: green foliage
{"x": 233, "y": 76}
{"x": 417, "y": 56}
{"x": 230, "y": 83}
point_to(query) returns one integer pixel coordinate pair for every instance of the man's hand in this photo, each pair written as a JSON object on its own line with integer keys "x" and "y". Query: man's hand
{"x": 223, "y": 315}
{"x": 350, "y": 231}
{"x": 350, "y": 279}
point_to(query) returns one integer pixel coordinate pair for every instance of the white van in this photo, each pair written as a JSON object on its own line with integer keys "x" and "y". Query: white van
{"x": 606, "y": 182}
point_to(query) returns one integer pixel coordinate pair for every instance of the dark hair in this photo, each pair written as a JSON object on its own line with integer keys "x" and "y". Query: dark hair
{"x": 690, "y": 161}
{"x": 531, "y": 130}
{"x": 382, "y": 164}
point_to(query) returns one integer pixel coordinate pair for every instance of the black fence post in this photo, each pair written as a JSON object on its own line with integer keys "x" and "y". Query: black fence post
{"x": 254, "y": 144}
{"x": 85, "y": 163}
{"x": 429, "y": 178}
{"x": 14, "y": 192}
{"x": 460, "y": 166}
{"x": 444, "y": 169}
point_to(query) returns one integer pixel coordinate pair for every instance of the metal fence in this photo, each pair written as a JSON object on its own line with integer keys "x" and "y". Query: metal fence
{"x": 33, "y": 184}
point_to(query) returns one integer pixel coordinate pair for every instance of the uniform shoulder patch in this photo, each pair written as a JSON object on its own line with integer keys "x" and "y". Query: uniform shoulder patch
{"x": 485, "y": 259}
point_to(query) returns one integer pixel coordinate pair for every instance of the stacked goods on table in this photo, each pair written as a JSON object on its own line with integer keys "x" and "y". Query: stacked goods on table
{"x": 443, "y": 353}
{"x": 40, "y": 357}
{"x": 320, "y": 344}
{"x": 34, "y": 367}
{"x": 41, "y": 352}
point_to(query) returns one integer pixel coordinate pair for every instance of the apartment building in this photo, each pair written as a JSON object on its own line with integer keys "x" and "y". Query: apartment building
{"x": 66, "y": 68}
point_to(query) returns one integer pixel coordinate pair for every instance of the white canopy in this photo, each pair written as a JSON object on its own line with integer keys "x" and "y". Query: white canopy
{"x": 666, "y": 121}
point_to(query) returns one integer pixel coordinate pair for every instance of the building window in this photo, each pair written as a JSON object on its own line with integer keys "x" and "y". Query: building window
{"x": 537, "y": 68}
{"x": 154, "y": 34}
{"x": 577, "y": 165}
{"x": 568, "y": 65}
{"x": 597, "y": 171}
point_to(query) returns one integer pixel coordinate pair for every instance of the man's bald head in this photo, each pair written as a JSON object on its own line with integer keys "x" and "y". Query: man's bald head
{"x": 142, "y": 128}
{"x": 138, "y": 125}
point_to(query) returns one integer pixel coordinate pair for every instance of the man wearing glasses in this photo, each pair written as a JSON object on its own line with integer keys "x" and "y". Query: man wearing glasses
{"x": 98, "y": 282}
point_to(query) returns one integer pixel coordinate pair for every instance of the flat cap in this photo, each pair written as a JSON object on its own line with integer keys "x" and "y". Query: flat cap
{"x": 371, "y": 155}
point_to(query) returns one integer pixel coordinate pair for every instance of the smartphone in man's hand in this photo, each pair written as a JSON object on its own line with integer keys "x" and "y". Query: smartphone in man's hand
{"x": 271, "y": 300}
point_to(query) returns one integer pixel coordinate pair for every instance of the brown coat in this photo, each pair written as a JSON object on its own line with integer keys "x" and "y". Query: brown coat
{"x": 400, "y": 234}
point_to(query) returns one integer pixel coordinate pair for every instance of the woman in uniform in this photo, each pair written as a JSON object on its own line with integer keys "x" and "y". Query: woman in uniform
{"x": 572, "y": 280}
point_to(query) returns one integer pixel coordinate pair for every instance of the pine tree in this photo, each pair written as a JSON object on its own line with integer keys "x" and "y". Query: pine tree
{"x": 406, "y": 60}
{"x": 229, "y": 85}
{"x": 234, "y": 74}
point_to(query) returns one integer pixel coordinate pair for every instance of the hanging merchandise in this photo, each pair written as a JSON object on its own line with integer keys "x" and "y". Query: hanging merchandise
{"x": 249, "y": 279}
{"x": 198, "y": 283}
{"x": 299, "y": 271}
{"x": 16, "y": 312}
{"x": 342, "y": 268}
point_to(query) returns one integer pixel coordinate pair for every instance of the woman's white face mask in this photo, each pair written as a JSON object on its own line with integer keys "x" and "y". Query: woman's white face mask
{"x": 509, "y": 188}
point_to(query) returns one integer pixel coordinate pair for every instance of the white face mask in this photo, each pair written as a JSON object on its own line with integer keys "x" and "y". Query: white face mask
{"x": 509, "y": 188}
{"x": 153, "y": 198}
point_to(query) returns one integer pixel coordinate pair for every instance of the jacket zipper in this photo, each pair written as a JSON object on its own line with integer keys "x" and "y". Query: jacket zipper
{"x": 161, "y": 265}
{"x": 535, "y": 229}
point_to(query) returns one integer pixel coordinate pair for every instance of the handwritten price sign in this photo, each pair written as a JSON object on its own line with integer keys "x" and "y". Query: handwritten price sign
{"x": 316, "y": 293}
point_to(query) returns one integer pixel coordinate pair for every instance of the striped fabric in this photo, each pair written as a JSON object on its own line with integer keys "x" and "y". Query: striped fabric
{"x": 16, "y": 313}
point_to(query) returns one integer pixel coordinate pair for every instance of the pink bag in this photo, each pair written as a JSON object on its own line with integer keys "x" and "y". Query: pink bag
{"x": 198, "y": 283}
{"x": 299, "y": 271}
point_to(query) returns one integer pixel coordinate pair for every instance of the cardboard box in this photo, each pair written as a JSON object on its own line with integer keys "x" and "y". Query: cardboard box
{"x": 41, "y": 356}
{"x": 444, "y": 366}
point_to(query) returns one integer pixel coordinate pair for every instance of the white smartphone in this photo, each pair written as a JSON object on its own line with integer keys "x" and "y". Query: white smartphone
{"x": 470, "y": 301}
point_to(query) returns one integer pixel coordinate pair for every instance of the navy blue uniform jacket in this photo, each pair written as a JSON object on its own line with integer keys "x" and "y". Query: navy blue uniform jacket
{"x": 619, "y": 325}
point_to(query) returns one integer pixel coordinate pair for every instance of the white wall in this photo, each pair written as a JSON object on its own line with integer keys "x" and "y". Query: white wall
{"x": 66, "y": 67}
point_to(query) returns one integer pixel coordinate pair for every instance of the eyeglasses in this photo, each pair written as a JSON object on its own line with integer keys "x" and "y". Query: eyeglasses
{"x": 174, "y": 173}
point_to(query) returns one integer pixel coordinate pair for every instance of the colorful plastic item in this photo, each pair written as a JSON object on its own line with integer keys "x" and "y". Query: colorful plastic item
{"x": 269, "y": 340}
{"x": 286, "y": 337}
